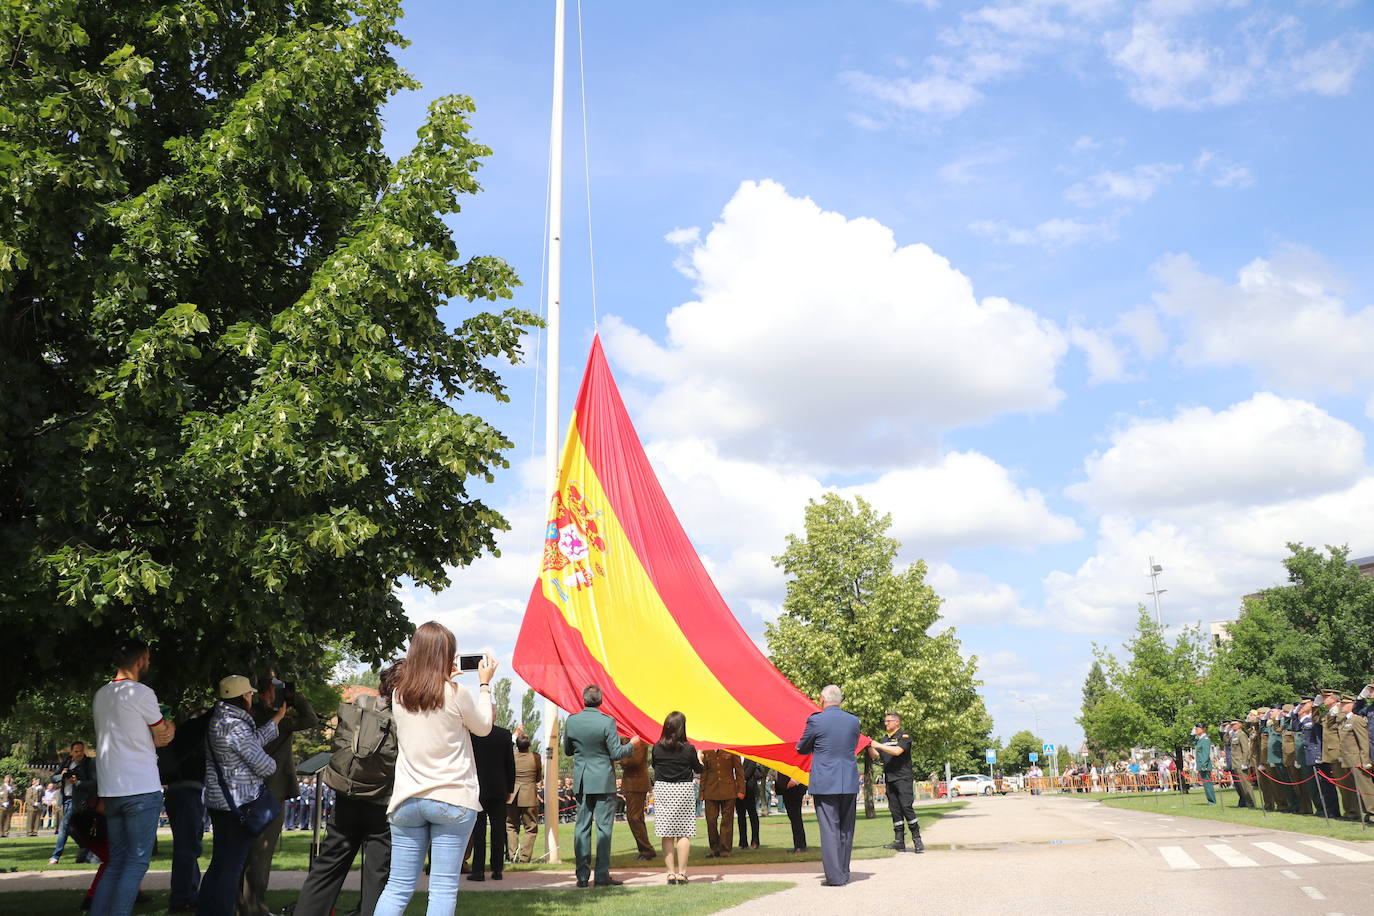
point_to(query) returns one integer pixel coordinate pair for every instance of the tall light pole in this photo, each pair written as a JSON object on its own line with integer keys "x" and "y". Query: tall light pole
{"x": 1035, "y": 715}
{"x": 1155, "y": 590}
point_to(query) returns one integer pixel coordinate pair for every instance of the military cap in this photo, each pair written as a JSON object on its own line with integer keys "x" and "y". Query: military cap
{"x": 1307, "y": 699}
{"x": 1327, "y": 691}
{"x": 1347, "y": 698}
{"x": 1287, "y": 707}
{"x": 1199, "y": 725}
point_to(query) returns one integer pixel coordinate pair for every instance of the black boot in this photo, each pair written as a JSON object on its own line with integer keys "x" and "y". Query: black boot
{"x": 917, "y": 844}
{"x": 899, "y": 841}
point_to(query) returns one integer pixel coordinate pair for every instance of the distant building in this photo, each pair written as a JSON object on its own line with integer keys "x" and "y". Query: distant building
{"x": 1221, "y": 632}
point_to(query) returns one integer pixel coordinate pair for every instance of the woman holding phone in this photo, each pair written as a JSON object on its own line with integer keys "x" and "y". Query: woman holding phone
{"x": 434, "y": 803}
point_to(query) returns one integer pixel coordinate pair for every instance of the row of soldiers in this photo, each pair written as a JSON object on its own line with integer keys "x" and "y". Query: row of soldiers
{"x": 1309, "y": 757}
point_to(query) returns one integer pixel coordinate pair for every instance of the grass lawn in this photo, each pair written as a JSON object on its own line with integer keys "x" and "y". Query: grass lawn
{"x": 1194, "y": 804}
{"x": 612, "y": 901}
{"x": 775, "y": 838}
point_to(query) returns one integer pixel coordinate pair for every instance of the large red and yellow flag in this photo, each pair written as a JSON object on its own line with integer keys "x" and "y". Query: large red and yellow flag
{"x": 624, "y": 602}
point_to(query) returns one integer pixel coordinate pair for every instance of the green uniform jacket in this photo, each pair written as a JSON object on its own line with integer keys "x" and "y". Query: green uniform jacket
{"x": 1273, "y": 737}
{"x": 1204, "y": 753}
{"x": 1239, "y": 743}
{"x": 1331, "y": 732}
{"x": 1354, "y": 742}
{"x": 589, "y": 737}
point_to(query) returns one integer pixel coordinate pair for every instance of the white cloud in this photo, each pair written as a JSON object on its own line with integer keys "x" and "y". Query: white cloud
{"x": 1106, "y": 363}
{"x": 938, "y": 95}
{"x": 1222, "y": 172}
{"x": 817, "y": 340}
{"x": 1142, "y": 328}
{"x": 1264, "y": 450}
{"x": 1168, "y": 60}
{"x": 1283, "y": 316}
{"x": 1138, "y": 185}
{"x": 964, "y": 169}
{"x": 974, "y": 599}
{"x": 1051, "y": 235}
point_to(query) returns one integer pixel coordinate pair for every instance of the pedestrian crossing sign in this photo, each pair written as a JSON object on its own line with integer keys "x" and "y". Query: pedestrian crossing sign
{"x": 1049, "y": 750}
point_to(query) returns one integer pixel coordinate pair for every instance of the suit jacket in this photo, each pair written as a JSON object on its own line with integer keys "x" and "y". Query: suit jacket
{"x": 831, "y": 737}
{"x": 494, "y": 755}
{"x": 589, "y": 737}
{"x": 529, "y": 769}
{"x": 723, "y": 777}
{"x": 634, "y": 770}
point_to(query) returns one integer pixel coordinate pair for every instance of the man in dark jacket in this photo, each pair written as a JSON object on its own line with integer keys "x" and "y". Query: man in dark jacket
{"x": 831, "y": 737}
{"x": 76, "y": 782}
{"x": 181, "y": 766}
{"x": 258, "y": 870}
{"x": 494, "y": 755}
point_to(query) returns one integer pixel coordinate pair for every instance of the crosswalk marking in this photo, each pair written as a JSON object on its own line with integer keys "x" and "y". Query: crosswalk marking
{"x": 1291, "y": 856}
{"x": 1313, "y": 893}
{"x": 1288, "y": 873}
{"x": 1177, "y": 858}
{"x": 1349, "y": 855}
{"x": 1230, "y": 856}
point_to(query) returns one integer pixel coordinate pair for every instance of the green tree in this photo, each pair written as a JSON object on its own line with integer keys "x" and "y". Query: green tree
{"x": 500, "y": 698}
{"x": 1317, "y": 631}
{"x": 530, "y": 716}
{"x": 1094, "y": 689}
{"x": 850, "y": 618}
{"x": 229, "y": 422}
{"x": 1156, "y": 696}
{"x": 1015, "y": 758}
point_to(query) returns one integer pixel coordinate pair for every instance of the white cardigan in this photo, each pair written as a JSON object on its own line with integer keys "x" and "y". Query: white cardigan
{"x": 434, "y": 758}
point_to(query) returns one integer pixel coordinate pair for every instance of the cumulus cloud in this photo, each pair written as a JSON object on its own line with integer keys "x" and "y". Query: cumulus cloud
{"x": 973, "y": 599}
{"x": 1106, "y": 362}
{"x": 1264, "y": 450}
{"x": 939, "y": 95}
{"x": 1283, "y": 316}
{"x": 1222, "y": 172}
{"x": 818, "y": 341}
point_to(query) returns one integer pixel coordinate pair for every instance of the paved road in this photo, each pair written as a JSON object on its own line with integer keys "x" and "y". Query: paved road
{"x": 1008, "y": 855}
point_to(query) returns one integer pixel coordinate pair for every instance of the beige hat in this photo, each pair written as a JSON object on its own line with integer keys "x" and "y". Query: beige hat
{"x": 235, "y": 685}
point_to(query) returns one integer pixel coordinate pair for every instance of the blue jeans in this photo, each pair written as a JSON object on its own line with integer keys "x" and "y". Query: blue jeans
{"x": 62, "y": 830}
{"x": 186, "y": 817}
{"x": 219, "y": 887}
{"x": 420, "y": 825}
{"x": 131, "y": 824}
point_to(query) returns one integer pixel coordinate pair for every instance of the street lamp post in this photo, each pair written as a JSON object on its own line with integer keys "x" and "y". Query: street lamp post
{"x": 1155, "y": 590}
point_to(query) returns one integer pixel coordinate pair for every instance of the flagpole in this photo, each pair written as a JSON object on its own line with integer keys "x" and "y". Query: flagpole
{"x": 551, "y": 390}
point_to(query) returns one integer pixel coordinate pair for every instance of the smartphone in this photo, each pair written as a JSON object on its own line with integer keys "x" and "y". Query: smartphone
{"x": 469, "y": 662}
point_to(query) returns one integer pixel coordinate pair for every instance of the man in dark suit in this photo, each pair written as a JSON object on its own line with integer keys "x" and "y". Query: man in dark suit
{"x": 831, "y": 737}
{"x": 494, "y": 755}
{"x": 589, "y": 737}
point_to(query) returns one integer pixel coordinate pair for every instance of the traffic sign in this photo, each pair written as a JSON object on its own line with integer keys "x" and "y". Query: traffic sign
{"x": 1033, "y": 756}
{"x": 990, "y": 755}
{"x": 1049, "y": 750}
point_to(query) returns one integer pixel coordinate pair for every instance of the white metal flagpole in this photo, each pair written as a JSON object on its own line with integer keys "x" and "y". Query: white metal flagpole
{"x": 551, "y": 450}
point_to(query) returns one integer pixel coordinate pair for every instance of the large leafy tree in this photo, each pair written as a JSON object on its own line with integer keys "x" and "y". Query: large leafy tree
{"x": 851, "y": 618}
{"x": 1316, "y": 631}
{"x": 1156, "y": 695}
{"x": 228, "y": 419}
{"x": 1015, "y": 758}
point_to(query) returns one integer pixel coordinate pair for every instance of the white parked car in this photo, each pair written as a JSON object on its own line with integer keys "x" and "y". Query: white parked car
{"x": 972, "y": 784}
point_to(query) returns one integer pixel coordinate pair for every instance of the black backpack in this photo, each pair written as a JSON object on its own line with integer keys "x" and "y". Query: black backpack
{"x": 363, "y": 762}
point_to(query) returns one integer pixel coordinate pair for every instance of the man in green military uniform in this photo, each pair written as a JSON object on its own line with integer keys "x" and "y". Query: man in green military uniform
{"x": 1238, "y": 762}
{"x": 1350, "y": 755}
{"x": 1297, "y": 793}
{"x": 1202, "y": 748}
{"x": 1327, "y": 715}
{"x": 1270, "y": 759}
{"x": 590, "y": 738}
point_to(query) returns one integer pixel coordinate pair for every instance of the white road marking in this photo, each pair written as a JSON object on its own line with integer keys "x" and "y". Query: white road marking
{"x": 1230, "y": 856}
{"x": 1339, "y": 852}
{"x": 1288, "y": 873}
{"x": 1177, "y": 858}
{"x": 1291, "y": 856}
{"x": 1313, "y": 892}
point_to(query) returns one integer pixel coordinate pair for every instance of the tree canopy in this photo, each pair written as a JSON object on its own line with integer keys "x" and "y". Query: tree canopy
{"x": 229, "y": 422}
{"x": 850, "y": 618}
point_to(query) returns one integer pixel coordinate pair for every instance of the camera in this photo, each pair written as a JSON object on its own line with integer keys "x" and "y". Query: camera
{"x": 286, "y": 692}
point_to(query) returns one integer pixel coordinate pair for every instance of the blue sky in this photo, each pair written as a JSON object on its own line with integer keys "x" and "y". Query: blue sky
{"x": 1060, "y": 285}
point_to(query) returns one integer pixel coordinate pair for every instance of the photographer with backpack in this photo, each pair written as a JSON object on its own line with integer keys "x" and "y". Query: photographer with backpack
{"x": 361, "y": 770}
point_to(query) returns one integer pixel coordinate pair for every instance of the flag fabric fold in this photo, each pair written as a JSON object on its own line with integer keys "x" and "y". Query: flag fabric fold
{"x": 623, "y": 601}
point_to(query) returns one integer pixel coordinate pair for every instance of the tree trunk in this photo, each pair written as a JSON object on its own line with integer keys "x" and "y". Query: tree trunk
{"x": 1182, "y": 777}
{"x": 870, "y": 809}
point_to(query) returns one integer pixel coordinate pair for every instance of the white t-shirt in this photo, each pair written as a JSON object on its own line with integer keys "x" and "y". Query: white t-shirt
{"x": 126, "y": 759}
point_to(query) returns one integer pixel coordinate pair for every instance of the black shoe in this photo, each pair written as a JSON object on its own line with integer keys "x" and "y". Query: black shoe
{"x": 645, "y": 857}
{"x": 583, "y": 882}
{"x": 611, "y": 883}
{"x": 830, "y": 884}
{"x": 894, "y": 845}
{"x": 713, "y": 855}
{"x": 86, "y": 903}
{"x": 496, "y": 876}
{"x": 478, "y": 876}
{"x": 919, "y": 846}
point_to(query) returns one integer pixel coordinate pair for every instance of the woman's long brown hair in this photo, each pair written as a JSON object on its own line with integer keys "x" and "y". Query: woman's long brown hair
{"x": 428, "y": 666}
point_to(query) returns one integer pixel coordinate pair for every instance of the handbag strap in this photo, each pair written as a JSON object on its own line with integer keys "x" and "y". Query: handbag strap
{"x": 219, "y": 772}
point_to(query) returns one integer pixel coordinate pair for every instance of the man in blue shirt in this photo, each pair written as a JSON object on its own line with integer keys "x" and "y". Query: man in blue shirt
{"x": 831, "y": 737}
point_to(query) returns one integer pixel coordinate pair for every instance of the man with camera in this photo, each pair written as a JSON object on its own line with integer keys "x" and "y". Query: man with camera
{"x": 271, "y": 696}
{"x": 76, "y": 777}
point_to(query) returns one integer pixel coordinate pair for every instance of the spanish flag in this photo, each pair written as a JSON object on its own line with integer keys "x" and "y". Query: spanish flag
{"x": 623, "y": 601}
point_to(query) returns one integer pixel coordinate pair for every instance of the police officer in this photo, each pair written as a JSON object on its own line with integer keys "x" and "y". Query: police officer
{"x": 1203, "y": 752}
{"x": 894, "y": 749}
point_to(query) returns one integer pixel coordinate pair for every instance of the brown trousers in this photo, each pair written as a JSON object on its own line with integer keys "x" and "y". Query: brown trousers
{"x": 720, "y": 825}
{"x": 516, "y": 819}
{"x": 1364, "y": 784}
{"x": 1270, "y": 790}
{"x": 1345, "y": 788}
{"x": 634, "y": 816}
